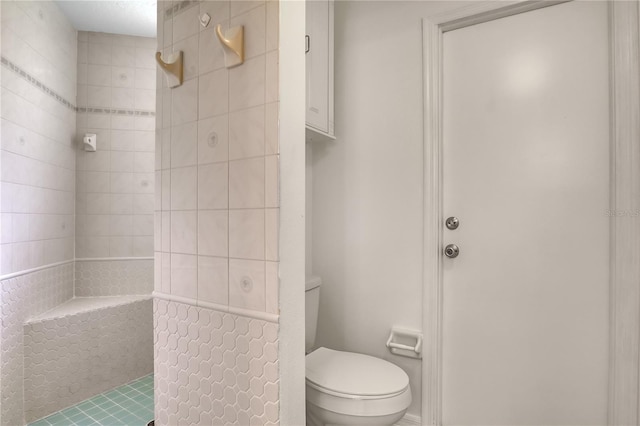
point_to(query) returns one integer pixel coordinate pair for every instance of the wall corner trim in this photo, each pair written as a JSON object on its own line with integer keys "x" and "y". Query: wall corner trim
{"x": 624, "y": 302}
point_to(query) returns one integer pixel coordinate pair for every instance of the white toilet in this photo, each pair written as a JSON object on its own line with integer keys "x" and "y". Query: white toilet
{"x": 346, "y": 388}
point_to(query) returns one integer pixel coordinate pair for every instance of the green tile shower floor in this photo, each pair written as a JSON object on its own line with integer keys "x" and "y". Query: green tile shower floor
{"x": 128, "y": 405}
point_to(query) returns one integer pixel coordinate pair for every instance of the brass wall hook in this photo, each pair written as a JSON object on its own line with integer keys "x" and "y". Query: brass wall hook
{"x": 233, "y": 45}
{"x": 173, "y": 69}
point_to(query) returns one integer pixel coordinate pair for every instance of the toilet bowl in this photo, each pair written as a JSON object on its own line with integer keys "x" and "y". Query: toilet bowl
{"x": 346, "y": 388}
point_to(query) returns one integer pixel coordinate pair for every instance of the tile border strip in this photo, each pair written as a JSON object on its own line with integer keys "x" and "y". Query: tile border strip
{"x": 110, "y": 259}
{"x": 56, "y": 96}
{"x": 247, "y": 313}
{"x": 32, "y": 270}
{"x": 178, "y": 8}
{"x": 37, "y": 83}
{"x": 64, "y": 262}
{"x": 116, "y": 111}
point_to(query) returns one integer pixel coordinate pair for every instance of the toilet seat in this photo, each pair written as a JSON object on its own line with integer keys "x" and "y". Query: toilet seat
{"x": 348, "y": 395}
{"x": 359, "y": 407}
{"x": 352, "y": 374}
{"x": 355, "y": 384}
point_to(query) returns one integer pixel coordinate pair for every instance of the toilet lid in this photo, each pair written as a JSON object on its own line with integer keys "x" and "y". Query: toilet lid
{"x": 354, "y": 374}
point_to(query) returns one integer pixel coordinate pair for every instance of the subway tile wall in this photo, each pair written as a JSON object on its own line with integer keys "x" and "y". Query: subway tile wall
{"x": 38, "y": 120}
{"x": 216, "y": 219}
{"x": 115, "y": 184}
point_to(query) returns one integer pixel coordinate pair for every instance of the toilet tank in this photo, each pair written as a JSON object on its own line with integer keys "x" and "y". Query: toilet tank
{"x": 312, "y": 302}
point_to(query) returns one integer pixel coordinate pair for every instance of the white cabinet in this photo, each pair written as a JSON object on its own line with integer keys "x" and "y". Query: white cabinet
{"x": 319, "y": 69}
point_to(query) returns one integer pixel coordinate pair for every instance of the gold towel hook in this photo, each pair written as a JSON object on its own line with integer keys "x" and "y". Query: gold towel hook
{"x": 173, "y": 69}
{"x": 233, "y": 45}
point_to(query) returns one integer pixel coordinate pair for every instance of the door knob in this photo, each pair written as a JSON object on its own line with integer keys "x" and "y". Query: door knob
{"x": 452, "y": 223}
{"x": 451, "y": 251}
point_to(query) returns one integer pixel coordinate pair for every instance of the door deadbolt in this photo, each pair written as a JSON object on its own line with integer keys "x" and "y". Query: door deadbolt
{"x": 451, "y": 251}
{"x": 452, "y": 223}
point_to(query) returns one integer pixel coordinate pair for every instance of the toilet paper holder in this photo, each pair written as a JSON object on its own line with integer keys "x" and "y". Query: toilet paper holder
{"x": 405, "y": 342}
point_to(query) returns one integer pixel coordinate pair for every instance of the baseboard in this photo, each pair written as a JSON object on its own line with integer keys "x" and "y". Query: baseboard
{"x": 409, "y": 420}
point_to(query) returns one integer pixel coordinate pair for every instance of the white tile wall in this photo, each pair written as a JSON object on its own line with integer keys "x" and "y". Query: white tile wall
{"x": 23, "y": 361}
{"x": 183, "y": 232}
{"x": 29, "y": 295}
{"x": 214, "y": 368}
{"x": 213, "y": 186}
{"x": 47, "y": 70}
{"x": 217, "y": 215}
{"x": 24, "y": 297}
{"x": 115, "y": 184}
{"x": 184, "y": 275}
{"x": 217, "y": 157}
{"x": 38, "y": 123}
{"x": 38, "y": 136}
{"x": 113, "y": 277}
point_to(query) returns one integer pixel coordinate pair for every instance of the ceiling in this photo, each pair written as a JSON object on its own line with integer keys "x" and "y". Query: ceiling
{"x": 130, "y": 17}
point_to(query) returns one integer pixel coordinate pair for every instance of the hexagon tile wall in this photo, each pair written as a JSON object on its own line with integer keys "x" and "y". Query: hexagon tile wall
{"x": 23, "y": 297}
{"x": 113, "y": 277}
{"x": 213, "y": 367}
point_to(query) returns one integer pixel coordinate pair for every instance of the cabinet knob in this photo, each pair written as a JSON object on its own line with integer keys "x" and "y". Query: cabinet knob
{"x": 307, "y": 44}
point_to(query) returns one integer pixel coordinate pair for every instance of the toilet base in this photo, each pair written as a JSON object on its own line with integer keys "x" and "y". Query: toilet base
{"x": 317, "y": 416}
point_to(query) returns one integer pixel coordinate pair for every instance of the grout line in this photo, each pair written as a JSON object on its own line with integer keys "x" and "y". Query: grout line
{"x": 36, "y": 130}
{"x": 264, "y": 156}
{"x": 228, "y": 119}
{"x": 38, "y": 160}
{"x": 46, "y": 139}
{"x": 197, "y": 126}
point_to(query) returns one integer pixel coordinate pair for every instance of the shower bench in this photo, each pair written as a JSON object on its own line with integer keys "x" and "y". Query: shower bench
{"x": 84, "y": 347}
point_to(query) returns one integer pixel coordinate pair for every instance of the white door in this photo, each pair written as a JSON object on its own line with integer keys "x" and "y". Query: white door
{"x": 526, "y": 171}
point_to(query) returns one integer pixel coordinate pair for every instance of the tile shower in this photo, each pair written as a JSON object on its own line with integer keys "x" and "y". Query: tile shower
{"x": 76, "y": 253}
{"x": 79, "y": 236}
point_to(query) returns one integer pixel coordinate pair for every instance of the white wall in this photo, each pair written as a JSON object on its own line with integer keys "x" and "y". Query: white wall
{"x": 38, "y": 129}
{"x": 38, "y": 124}
{"x": 217, "y": 215}
{"x": 217, "y": 165}
{"x": 367, "y": 185}
{"x": 292, "y": 217}
{"x": 115, "y": 184}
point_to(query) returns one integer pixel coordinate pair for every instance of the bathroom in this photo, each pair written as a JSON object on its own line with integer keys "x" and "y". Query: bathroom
{"x": 169, "y": 263}
{"x": 77, "y": 219}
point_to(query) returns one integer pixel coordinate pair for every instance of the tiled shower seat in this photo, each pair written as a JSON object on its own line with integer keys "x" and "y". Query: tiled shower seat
{"x": 83, "y": 347}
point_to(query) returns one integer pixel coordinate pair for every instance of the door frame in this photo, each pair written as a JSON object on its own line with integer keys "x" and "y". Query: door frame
{"x": 624, "y": 272}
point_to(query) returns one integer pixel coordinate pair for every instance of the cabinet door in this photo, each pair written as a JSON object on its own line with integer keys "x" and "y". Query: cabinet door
{"x": 317, "y": 64}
